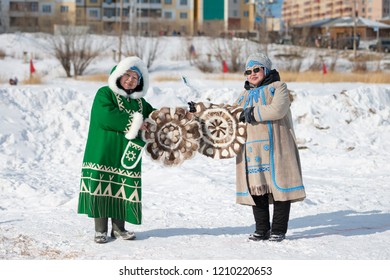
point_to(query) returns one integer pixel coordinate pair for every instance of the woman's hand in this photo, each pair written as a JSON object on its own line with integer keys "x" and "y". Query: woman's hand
{"x": 144, "y": 127}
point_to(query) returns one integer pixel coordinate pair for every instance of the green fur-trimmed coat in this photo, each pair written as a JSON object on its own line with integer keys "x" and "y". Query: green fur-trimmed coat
{"x": 108, "y": 189}
{"x": 269, "y": 161}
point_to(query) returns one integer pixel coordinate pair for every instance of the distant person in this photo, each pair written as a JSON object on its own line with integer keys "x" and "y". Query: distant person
{"x": 13, "y": 82}
{"x": 268, "y": 169}
{"x": 192, "y": 53}
{"x": 111, "y": 173}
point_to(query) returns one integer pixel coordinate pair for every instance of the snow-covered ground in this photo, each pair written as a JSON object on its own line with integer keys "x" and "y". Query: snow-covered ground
{"x": 189, "y": 211}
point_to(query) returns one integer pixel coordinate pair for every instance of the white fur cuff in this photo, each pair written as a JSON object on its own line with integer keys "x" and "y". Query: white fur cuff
{"x": 137, "y": 121}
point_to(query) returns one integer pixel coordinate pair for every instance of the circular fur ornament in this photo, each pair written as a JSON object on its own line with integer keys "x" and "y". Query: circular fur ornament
{"x": 172, "y": 135}
{"x": 223, "y": 135}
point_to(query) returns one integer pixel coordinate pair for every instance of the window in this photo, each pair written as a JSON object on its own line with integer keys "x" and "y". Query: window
{"x": 125, "y": 12}
{"x": 183, "y": 2}
{"x": 93, "y": 13}
{"x": 46, "y": 9}
{"x": 246, "y": 14}
{"x": 183, "y": 15}
{"x": 168, "y": 2}
{"x": 34, "y": 7}
{"x": 64, "y": 9}
{"x": 168, "y": 15}
{"x": 109, "y": 12}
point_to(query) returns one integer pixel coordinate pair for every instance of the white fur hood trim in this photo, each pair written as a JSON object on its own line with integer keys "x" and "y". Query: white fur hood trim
{"x": 121, "y": 69}
{"x": 135, "y": 126}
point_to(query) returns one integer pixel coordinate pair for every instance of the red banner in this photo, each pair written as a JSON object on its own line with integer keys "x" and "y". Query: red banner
{"x": 32, "y": 68}
{"x": 224, "y": 67}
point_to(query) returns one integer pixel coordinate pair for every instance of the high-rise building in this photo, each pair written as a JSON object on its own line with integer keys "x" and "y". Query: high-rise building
{"x": 296, "y": 12}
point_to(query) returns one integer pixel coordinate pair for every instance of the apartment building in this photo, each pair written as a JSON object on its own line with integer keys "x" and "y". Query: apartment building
{"x": 136, "y": 16}
{"x": 34, "y": 16}
{"x": 296, "y": 12}
{"x": 153, "y": 17}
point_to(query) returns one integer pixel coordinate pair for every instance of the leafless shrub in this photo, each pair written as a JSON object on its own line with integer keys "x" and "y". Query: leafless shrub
{"x": 333, "y": 61}
{"x": 146, "y": 48}
{"x": 204, "y": 66}
{"x": 74, "y": 48}
{"x": 233, "y": 51}
{"x": 359, "y": 66}
{"x": 291, "y": 60}
{"x": 316, "y": 65}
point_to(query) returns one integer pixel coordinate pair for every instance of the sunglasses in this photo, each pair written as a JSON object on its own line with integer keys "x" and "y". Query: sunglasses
{"x": 255, "y": 70}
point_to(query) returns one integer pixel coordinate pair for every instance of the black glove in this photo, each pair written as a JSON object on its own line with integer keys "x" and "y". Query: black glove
{"x": 247, "y": 115}
{"x": 191, "y": 104}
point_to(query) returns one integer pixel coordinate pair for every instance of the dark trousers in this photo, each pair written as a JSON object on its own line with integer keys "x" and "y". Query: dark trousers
{"x": 280, "y": 217}
{"x": 101, "y": 224}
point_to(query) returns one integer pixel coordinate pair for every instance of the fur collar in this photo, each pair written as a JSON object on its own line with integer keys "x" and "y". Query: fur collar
{"x": 273, "y": 76}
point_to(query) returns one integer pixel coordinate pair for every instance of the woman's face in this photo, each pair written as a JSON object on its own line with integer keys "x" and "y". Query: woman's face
{"x": 255, "y": 74}
{"x": 129, "y": 80}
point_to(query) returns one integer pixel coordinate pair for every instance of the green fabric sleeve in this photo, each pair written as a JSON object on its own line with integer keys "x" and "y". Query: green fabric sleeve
{"x": 147, "y": 108}
{"x": 106, "y": 114}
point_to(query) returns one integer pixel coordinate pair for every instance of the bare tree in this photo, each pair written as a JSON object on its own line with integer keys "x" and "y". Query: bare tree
{"x": 233, "y": 51}
{"x": 83, "y": 53}
{"x": 74, "y": 48}
{"x": 146, "y": 48}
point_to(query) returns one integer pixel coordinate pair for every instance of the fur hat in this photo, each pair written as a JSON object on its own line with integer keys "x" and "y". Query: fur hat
{"x": 261, "y": 60}
{"x": 136, "y": 70}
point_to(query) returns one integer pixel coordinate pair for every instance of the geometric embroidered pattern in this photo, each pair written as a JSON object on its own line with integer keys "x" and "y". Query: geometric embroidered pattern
{"x": 99, "y": 180}
{"x": 257, "y": 169}
{"x": 130, "y": 155}
{"x": 120, "y": 193}
{"x": 130, "y": 112}
{"x": 108, "y": 169}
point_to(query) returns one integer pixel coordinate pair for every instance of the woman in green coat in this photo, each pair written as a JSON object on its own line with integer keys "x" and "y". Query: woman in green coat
{"x": 111, "y": 173}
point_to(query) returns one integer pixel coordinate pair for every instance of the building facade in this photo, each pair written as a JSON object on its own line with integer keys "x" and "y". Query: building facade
{"x": 297, "y": 12}
{"x": 34, "y": 16}
{"x": 137, "y": 17}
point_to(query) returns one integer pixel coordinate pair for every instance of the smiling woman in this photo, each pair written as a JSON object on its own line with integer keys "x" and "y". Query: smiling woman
{"x": 110, "y": 184}
{"x": 268, "y": 167}
{"x": 129, "y": 80}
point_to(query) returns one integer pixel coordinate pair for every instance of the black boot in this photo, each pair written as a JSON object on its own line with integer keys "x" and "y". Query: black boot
{"x": 118, "y": 230}
{"x": 261, "y": 215}
{"x": 259, "y": 236}
{"x": 280, "y": 220}
{"x": 101, "y": 228}
{"x": 277, "y": 237}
